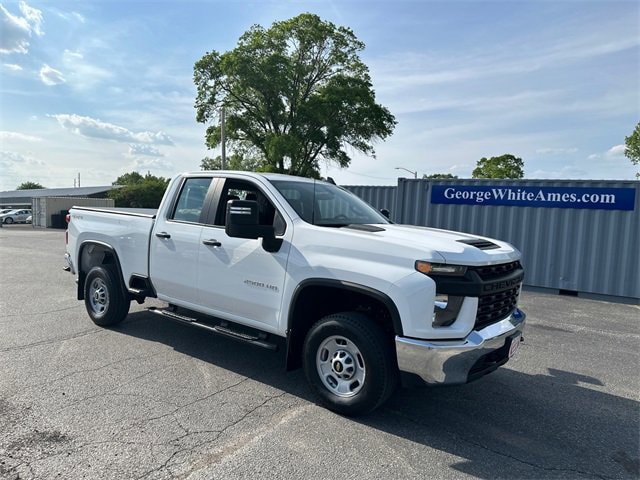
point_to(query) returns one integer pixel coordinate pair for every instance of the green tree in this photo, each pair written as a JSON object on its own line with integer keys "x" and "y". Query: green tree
{"x": 137, "y": 191}
{"x": 298, "y": 92}
{"x": 236, "y": 161}
{"x": 439, "y": 175}
{"x": 29, "y": 186}
{"x": 504, "y": 166}
{"x": 632, "y": 147}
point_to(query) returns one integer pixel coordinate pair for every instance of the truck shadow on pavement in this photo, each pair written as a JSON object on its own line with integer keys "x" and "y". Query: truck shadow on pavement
{"x": 506, "y": 425}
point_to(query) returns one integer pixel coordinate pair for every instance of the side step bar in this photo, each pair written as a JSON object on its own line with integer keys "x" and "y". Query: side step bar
{"x": 222, "y": 329}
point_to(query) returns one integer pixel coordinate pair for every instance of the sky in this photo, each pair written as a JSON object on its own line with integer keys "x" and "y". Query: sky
{"x": 94, "y": 89}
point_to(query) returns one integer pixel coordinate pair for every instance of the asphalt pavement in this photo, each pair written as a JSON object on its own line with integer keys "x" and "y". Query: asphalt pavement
{"x": 157, "y": 400}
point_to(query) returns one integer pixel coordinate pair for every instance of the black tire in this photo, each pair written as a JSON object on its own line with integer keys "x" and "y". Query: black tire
{"x": 104, "y": 298}
{"x": 350, "y": 363}
{"x": 8, "y": 220}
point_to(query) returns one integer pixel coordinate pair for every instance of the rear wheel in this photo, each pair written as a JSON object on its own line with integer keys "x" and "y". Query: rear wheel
{"x": 8, "y": 220}
{"x": 349, "y": 362}
{"x": 103, "y": 296}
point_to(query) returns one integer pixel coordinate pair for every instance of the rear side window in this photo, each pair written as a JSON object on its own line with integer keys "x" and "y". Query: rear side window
{"x": 191, "y": 200}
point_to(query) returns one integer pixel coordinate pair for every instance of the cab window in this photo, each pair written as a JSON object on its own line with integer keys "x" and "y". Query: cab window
{"x": 191, "y": 200}
{"x": 242, "y": 190}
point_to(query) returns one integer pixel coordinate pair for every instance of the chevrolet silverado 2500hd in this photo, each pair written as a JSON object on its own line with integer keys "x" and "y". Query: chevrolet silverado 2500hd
{"x": 359, "y": 302}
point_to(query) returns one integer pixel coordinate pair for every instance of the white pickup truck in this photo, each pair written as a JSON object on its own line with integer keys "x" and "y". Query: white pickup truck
{"x": 273, "y": 260}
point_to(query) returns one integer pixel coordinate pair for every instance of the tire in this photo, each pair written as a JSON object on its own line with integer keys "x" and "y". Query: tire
{"x": 104, "y": 298}
{"x": 349, "y": 363}
{"x": 8, "y": 220}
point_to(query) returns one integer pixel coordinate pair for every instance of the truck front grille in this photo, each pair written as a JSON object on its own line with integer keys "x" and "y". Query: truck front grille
{"x": 493, "y": 307}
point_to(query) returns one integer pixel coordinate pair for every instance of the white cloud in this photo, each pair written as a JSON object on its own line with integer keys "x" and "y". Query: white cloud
{"x": 568, "y": 171}
{"x": 93, "y": 128}
{"x": 17, "y": 167}
{"x": 82, "y": 74}
{"x": 147, "y": 150}
{"x": 4, "y": 135}
{"x": 153, "y": 164}
{"x": 51, "y": 76}
{"x": 12, "y": 66}
{"x": 614, "y": 153}
{"x": 17, "y": 30}
{"x": 556, "y": 151}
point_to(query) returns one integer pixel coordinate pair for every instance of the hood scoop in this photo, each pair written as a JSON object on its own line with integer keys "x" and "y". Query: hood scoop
{"x": 365, "y": 228}
{"x": 480, "y": 244}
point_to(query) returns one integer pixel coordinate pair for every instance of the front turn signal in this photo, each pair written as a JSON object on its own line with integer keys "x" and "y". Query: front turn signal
{"x": 429, "y": 268}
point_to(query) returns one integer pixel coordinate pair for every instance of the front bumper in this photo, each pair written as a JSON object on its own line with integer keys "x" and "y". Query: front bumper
{"x": 460, "y": 361}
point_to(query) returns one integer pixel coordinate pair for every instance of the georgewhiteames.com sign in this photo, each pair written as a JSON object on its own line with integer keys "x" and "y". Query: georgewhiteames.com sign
{"x": 531, "y": 196}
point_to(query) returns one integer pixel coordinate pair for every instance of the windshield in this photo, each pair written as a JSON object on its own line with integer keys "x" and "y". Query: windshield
{"x": 327, "y": 205}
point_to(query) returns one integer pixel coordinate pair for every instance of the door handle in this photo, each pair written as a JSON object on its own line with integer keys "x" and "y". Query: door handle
{"x": 163, "y": 235}
{"x": 212, "y": 242}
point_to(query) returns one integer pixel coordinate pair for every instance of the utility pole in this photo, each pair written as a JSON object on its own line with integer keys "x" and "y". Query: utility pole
{"x": 78, "y": 179}
{"x": 223, "y": 139}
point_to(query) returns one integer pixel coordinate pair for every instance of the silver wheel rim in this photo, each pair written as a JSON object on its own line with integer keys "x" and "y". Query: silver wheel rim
{"x": 98, "y": 296}
{"x": 340, "y": 366}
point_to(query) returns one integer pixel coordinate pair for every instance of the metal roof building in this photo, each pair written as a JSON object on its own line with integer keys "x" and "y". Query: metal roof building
{"x": 24, "y": 198}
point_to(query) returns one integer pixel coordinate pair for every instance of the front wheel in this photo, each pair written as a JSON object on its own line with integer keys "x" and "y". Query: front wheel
{"x": 349, "y": 362}
{"x": 8, "y": 220}
{"x": 104, "y": 299}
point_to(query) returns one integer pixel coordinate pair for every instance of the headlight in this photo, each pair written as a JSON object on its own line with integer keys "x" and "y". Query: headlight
{"x": 429, "y": 268}
{"x": 446, "y": 307}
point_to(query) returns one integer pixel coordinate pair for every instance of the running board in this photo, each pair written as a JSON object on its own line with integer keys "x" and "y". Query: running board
{"x": 222, "y": 329}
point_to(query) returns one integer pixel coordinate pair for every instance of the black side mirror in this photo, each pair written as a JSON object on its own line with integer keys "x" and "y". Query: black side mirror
{"x": 242, "y": 222}
{"x": 385, "y": 212}
{"x": 242, "y": 219}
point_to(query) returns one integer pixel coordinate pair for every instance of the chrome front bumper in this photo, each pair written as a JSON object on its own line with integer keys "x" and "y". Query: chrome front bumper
{"x": 460, "y": 361}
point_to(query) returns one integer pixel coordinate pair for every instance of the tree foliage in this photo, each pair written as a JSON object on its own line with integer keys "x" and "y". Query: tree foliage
{"x": 632, "y": 147}
{"x": 139, "y": 191}
{"x": 298, "y": 92}
{"x": 29, "y": 186}
{"x": 234, "y": 162}
{"x": 504, "y": 166}
{"x": 439, "y": 175}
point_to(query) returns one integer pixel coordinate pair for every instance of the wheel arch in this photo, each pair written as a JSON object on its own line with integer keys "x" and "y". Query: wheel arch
{"x": 318, "y": 297}
{"x": 93, "y": 253}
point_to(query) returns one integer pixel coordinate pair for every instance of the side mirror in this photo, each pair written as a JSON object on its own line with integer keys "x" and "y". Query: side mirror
{"x": 242, "y": 222}
{"x": 385, "y": 212}
{"x": 242, "y": 219}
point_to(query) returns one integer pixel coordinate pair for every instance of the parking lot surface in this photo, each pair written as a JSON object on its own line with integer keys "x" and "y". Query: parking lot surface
{"x": 155, "y": 399}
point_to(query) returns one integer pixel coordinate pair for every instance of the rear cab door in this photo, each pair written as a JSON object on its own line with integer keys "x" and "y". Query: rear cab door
{"x": 174, "y": 246}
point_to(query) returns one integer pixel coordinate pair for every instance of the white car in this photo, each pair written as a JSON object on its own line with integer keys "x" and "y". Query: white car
{"x": 15, "y": 216}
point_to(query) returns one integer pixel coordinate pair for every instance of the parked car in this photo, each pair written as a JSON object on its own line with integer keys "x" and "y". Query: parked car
{"x": 6, "y": 210}
{"x": 15, "y": 216}
{"x": 29, "y": 219}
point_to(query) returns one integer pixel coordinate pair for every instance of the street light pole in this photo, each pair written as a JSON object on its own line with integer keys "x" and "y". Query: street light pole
{"x": 415, "y": 174}
{"x": 223, "y": 139}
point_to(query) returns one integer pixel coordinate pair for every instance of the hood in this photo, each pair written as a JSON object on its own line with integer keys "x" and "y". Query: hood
{"x": 454, "y": 247}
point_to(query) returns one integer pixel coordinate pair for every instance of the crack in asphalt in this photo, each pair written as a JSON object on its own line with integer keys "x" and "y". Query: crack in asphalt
{"x": 218, "y": 433}
{"x": 183, "y": 406}
{"x": 115, "y": 389}
{"x": 86, "y": 370}
{"x": 33, "y": 314}
{"x": 53, "y": 340}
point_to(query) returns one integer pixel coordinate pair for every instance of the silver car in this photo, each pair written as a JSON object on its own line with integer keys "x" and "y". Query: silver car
{"x": 15, "y": 216}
